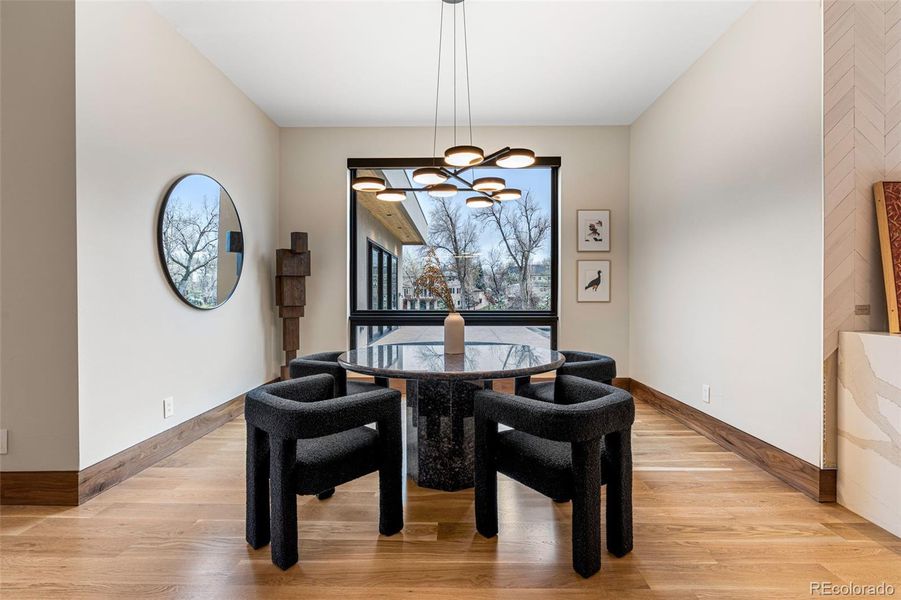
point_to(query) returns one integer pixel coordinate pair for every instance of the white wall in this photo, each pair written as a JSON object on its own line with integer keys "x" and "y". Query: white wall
{"x": 595, "y": 174}
{"x": 726, "y": 240}
{"x": 151, "y": 108}
{"x": 38, "y": 343}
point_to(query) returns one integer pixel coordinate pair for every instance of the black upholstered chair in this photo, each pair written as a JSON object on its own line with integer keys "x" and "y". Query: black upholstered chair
{"x": 301, "y": 440}
{"x": 586, "y": 365}
{"x": 327, "y": 362}
{"x": 564, "y": 450}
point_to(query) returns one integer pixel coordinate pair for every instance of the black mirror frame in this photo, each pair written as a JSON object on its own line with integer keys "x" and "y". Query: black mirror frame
{"x": 159, "y": 241}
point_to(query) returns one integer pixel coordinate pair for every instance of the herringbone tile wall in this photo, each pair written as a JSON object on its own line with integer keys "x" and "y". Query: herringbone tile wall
{"x": 862, "y": 145}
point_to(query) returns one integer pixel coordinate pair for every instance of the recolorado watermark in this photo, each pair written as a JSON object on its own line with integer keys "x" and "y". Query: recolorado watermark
{"x": 827, "y": 588}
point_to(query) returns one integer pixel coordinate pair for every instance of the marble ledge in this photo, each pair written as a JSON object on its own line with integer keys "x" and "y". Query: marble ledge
{"x": 869, "y": 426}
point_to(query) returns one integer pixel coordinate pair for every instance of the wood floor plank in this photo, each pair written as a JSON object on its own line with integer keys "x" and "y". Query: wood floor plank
{"x": 708, "y": 524}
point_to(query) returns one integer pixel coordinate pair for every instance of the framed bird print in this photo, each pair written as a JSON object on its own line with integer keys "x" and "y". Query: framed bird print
{"x": 594, "y": 280}
{"x": 594, "y": 230}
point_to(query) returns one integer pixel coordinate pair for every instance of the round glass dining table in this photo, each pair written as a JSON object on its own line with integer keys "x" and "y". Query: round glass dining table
{"x": 440, "y": 392}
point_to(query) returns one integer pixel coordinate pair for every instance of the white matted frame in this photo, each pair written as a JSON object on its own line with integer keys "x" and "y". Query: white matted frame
{"x": 593, "y": 230}
{"x": 593, "y": 279}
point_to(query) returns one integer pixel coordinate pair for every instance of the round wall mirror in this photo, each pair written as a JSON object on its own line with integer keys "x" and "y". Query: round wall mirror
{"x": 200, "y": 241}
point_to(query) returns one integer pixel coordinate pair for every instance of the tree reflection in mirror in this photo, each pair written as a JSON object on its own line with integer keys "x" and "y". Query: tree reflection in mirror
{"x": 201, "y": 242}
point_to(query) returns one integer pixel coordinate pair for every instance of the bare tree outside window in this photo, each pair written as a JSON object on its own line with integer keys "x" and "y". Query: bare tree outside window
{"x": 524, "y": 229}
{"x": 496, "y": 278}
{"x": 454, "y": 232}
{"x": 494, "y": 259}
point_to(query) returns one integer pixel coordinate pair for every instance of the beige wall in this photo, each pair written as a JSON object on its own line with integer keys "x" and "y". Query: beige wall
{"x": 595, "y": 174}
{"x": 38, "y": 328}
{"x": 227, "y": 262}
{"x": 726, "y": 220}
{"x": 151, "y": 108}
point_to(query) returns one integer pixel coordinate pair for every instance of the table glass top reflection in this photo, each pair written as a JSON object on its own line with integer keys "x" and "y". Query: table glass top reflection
{"x": 425, "y": 361}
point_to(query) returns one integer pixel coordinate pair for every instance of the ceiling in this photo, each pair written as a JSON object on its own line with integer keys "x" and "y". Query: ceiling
{"x": 373, "y": 62}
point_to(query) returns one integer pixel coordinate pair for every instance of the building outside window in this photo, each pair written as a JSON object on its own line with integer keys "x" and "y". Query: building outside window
{"x": 382, "y": 284}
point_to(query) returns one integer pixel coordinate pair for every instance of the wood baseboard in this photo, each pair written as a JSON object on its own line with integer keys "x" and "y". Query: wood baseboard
{"x": 817, "y": 483}
{"x": 119, "y": 467}
{"x": 71, "y": 488}
{"x": 50, "y": 488}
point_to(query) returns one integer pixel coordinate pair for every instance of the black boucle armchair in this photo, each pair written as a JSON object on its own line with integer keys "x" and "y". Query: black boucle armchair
{"x": 586, "y": 365}
{"x": 563, "y": 450}
{"x": 327, "y": 362}
{"x": 301, "y": 440}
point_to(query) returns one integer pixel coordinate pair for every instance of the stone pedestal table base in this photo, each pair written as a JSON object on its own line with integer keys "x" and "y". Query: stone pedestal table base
{"x": 440, "y": 433}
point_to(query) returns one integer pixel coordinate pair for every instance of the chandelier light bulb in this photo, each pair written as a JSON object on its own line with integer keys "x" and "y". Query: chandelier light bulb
{"x": 464, "y": 156}
{"x": 479, "y": 202}
{"x": 368, "y": 184}
{"x": 429, "y": 176}
{"x": 517, "y": 158}
{"x": 489, "y": 184}
{"x": 391, "y": 195}
{"x": 507, "y": 194}
{"x": 443, "y": 190}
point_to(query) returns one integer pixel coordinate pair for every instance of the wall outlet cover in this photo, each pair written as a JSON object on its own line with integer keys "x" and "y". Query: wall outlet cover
{"x": 168, "y": 407}
{"x": 705, "y": 393}
{"x": 4, "y": 438}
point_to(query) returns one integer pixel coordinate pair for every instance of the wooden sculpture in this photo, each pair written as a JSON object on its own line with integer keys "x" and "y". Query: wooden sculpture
{"x": 888, "y": 218}
{"x": 292, "y": 267}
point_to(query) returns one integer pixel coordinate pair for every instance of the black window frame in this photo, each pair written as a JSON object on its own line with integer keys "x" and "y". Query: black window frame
{"x": 391, "y": 262}
{"x": 398, "y": 317}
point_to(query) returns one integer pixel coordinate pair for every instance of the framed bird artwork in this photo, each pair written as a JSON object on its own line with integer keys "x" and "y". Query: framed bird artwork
{"x": 594, "y": 280}
{"x": 594, "y": 230}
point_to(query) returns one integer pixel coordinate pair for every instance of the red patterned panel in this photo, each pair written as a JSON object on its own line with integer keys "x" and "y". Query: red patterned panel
{"x": 893, "y": 216}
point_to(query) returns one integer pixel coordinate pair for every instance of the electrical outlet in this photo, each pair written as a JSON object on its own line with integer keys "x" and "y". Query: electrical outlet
{"x": 705, "y": 393}
{"x": 4, "y": 438}
{"x": 168, "y": 407}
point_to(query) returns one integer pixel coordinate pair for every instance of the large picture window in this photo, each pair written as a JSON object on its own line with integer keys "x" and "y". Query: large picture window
{"x": 500, "y": 262}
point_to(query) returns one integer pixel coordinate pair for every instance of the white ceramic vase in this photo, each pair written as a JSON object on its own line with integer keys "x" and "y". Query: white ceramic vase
{"x": 453, "y": 333}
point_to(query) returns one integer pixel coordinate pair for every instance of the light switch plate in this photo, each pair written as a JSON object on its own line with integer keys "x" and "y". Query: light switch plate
{"x": 705, "y": 393}
{"x": 168, "y": 407}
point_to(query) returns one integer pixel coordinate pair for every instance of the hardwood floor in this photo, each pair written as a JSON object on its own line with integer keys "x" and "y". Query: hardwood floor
{"x": 708, "y": 524}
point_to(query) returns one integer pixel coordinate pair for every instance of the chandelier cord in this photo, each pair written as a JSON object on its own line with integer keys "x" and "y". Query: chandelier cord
{"x": 459, "y": 159}
{"x": 438, "y": 84}
{"x": 466, "y": 55}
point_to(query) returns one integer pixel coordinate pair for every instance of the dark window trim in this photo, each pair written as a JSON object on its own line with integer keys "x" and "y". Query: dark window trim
{"x": 367, "y": 317}
{"x": 370, "y": 245}
{"x": 386, "y": 329}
